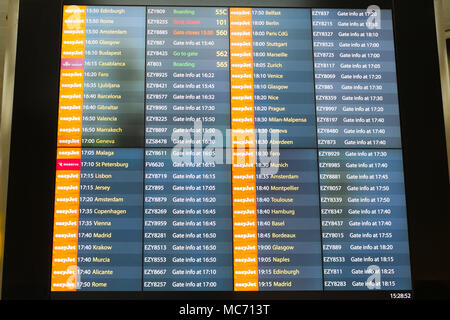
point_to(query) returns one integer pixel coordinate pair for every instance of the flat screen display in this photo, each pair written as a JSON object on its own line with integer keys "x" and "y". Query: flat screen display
{"x": 228, "y": 149}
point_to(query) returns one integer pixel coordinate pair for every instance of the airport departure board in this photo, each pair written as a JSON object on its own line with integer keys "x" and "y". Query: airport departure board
{"x": 228, "y": 149}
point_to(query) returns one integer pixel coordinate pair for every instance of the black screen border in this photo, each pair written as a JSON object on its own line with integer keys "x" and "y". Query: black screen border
{"x": 36, "y": 190}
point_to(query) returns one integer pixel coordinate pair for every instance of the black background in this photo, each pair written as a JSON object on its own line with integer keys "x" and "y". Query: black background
{"x": 29, "y": 223}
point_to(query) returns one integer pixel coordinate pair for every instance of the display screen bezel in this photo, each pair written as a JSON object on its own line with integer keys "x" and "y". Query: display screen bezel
{"x": 273, "y": 295}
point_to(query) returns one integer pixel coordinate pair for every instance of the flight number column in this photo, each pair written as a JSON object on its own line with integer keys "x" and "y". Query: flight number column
{"x": 187, "y": 215}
